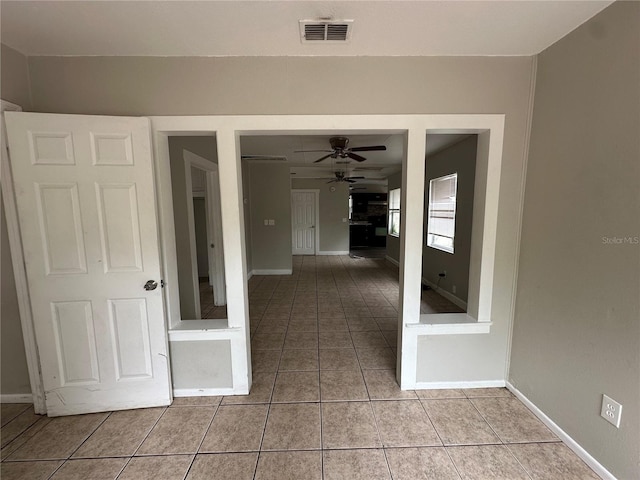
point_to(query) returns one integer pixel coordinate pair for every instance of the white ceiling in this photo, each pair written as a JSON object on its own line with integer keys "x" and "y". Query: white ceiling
{"x": 270, "y": 28}
{"x": 377, "y": 167}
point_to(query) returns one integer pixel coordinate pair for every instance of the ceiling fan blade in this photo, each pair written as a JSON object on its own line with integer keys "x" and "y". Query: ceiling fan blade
{"x": 368, "y": 149}
{"x": 356, "y": 157}
{"x": 333, "y": 180}
{"x": 355, "y": 178}
{"x": 349, "y": 180}
{"x": 303, "y": 151}
{"x": 323, "y": 158}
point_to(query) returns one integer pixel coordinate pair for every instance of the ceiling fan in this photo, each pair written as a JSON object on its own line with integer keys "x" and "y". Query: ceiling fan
{"x": 340, "y": 148}
{"x": 342, "y": 177}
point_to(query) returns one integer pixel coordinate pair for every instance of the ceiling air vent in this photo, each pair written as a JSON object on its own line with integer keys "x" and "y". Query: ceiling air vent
{"x": 323, "y": 31}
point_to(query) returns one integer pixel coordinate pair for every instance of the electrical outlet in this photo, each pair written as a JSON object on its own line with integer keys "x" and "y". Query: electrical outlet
{"x": 611, "y": 411}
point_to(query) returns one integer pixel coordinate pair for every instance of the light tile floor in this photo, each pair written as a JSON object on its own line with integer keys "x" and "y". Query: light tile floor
{"x": 324, "y": 404}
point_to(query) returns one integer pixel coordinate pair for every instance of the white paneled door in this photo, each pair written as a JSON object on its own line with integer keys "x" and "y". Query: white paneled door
{"x": 303, "y": 218}
{"x": 87, "y": 213}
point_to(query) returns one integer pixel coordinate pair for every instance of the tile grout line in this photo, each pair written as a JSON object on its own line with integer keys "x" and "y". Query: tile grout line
{"x": 142, "y": 441}
{"x": 195, "y": 455}
{"x": 502, "y": 441}
{"x": 320, "y": 408}
{"x": 266, "y": 419}
{"x": 64, "y": 461}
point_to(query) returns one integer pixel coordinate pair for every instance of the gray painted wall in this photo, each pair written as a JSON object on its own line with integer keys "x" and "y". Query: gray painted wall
{"x": 334, "y": 206}
{"x": 14, "y": 84}
{"x": 14, "y": 77}
{"x": 460, "y": 158}
{"x": 15, "y": 375}
{"x": 201, "y": 364}
{"x": 270, "y": 192}
{"x": 577, "y": 323}
{"x": 560, "y": 330}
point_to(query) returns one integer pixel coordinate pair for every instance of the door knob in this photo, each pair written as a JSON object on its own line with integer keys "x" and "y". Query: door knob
{"x": 150, "y": 285}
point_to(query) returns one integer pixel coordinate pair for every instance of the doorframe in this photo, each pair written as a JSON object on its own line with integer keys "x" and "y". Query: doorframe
{"x": 214, "y": 227}
{"x": 228, "y": 129}
{"x": 316, "y": 191}
{"x": 19, "y": 272}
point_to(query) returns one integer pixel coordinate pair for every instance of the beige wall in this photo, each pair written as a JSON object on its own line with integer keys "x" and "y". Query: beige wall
{"x": 270, "y": 194}
{"x": 14, "y": 77}
{"x": 577, "y": 323}
{"x": 14, "y": 84}
{"x": 459, "y": 158}
{"x": 334, "y": 206}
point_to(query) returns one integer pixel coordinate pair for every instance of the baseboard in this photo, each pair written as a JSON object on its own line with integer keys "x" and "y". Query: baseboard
{"x": 449, "y": 296}
{"x": 456, "y": 385}
{"x": 338, "y": 252}
{"x": 249, "y": 274}
{"x": 286, "y": 271}
{"x": 562, "y": 435}
{"x": 392, "y": 260}
{"x": 203, "y": 392}
{"x": 16, "y": 398}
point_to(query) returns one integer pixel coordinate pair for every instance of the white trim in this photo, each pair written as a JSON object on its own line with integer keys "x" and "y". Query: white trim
{"x": 204, "y": 330}
{"x": 214, "y": 227}
{"x": 215, "y": 231}
{"x": 448, "y": 324}
{"x": 457, "y": 385}
{"x": 448, "y": 295}
{"x": 19, "y": 273}
{"x": 562, "y": 435}
{"x": 392, "y": 260}
{"x": 518, "y": 230}
{"x": 16, "y": 398}
{"x": 204, "y": 392}
{"x": 272, "y": 271}
{"x": 191, "y": 232}
{"x": 249, "y": 275}
{"x": 228, "y": 128}
{"x": 337, "y": 252}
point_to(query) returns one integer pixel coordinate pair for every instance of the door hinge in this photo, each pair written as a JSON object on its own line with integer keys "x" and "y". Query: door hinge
{"x": 162, "y": 284}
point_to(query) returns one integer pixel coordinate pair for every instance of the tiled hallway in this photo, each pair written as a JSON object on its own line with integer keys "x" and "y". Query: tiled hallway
{"x": 324, "y": 404}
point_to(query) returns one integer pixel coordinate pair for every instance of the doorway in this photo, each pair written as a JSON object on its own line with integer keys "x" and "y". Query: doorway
{"x": 236, "y": 327}
{"x": 305, "y": 225}
{"x": 197, "y": 222}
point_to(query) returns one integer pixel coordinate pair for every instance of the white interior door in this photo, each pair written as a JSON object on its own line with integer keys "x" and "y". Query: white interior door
{"x": 87, "y": 213}
{"x": 303, "y": 219}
